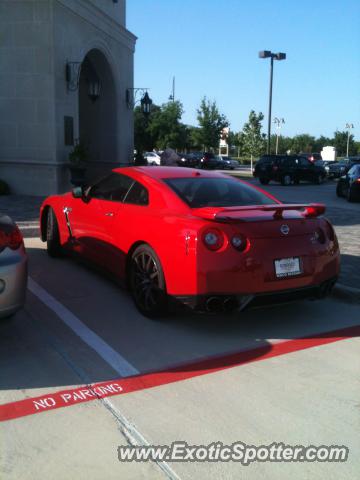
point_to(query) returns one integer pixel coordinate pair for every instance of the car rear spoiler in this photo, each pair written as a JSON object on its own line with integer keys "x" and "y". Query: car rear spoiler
{"x": 310, "y": 210}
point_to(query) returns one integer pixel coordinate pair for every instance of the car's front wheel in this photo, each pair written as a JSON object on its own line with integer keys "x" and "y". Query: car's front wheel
{"x": 53, "y": 244}
{"x": 147, "y": 282}
{"x": 339, "y": 190}
{"x": 350, "y": 195}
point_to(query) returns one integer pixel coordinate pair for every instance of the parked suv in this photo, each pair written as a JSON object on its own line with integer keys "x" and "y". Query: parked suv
{"x": 289, "y": 169}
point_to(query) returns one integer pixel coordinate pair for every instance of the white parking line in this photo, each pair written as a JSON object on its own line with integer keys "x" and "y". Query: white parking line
{"x": 113, "y": 358}
{"x": 28, "y": 227}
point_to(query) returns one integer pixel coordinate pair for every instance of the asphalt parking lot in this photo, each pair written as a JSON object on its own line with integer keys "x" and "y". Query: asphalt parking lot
{"x": 286, "y": 374}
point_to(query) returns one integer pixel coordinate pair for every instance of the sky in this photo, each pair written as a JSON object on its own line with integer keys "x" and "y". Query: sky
{"x": 211, "y": 48}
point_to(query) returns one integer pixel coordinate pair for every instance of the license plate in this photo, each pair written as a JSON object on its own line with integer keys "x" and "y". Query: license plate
{"x": 287, "y": 267}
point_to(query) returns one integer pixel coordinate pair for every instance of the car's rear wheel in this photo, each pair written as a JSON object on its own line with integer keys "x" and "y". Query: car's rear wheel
{"x": 264, "y": 180}
{"x": 53, "y": 244}
{"x": 339, "y": 192}
{"x": 147, "y": 282}
{"x": 286, "y": 180}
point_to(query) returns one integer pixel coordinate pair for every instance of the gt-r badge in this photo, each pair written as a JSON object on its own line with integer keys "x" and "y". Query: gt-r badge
{"x": 284, "y": 229}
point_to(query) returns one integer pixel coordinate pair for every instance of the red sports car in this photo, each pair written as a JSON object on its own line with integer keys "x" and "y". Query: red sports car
{"x": 195, "y": 238}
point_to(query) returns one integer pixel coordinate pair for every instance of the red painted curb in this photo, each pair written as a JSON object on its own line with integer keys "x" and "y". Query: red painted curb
{"x": 65, "y": 398}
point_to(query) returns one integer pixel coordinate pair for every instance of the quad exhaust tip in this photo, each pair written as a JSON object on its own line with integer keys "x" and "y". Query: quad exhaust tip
{"x": 221, "y": 304}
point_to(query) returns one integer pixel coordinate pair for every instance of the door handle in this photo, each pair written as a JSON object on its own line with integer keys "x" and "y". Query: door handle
{"x": 109, "y": 214}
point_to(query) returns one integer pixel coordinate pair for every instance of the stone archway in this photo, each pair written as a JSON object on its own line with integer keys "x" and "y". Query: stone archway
{"x": 98, "y": 119}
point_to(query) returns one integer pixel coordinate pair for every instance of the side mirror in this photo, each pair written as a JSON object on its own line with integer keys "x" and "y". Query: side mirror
{"x": 77, "y": 192}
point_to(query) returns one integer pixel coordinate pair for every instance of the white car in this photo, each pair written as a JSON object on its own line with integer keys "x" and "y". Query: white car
{"x": 13, "y": 267}
{"x": 152, "y": 158}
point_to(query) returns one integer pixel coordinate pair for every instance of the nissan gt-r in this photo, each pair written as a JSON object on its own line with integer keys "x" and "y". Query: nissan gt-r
{"x": 194, "y": 238}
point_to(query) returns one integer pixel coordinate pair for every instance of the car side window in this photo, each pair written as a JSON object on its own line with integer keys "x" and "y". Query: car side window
{"x": 113, "y": 187}
{"x": 288, "y": 162}
{"x": 137, "y": 195}
{"x": 304, "y": 162}
{"x": 353, "y": 170}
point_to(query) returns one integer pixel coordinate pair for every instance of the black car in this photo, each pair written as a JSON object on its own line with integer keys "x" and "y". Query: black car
{"x": 349, "y": 185}
{"x": 190, "y": 160}
{"x": 289, "y": 169}
{"x": 340, "y": 168}
{"x": 211, "y": 161}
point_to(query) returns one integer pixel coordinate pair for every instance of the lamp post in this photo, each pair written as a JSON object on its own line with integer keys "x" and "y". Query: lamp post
{"x": 278, "y": 122}
{"x": 277, "y": 56}
{"x": 348, "y": 127}
{"x": 132, "y": 98}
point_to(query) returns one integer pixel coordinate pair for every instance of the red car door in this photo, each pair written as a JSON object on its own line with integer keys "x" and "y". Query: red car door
{"x": 93, "y": 220}
{"x": 120, "y": 215}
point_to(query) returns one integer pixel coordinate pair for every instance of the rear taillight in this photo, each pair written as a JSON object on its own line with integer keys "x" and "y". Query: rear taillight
{"x": 313, "y": 211}
{"x": 12, "y": 239}
{"x": 358, "y": 180}
{"x": 213, "y": 239}
{"x": 240, "y": 243}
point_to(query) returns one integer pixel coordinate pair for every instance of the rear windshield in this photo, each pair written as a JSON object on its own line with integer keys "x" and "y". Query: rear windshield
{"x": 216, "y": 192}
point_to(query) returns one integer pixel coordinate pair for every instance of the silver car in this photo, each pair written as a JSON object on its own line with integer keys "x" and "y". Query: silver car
{"x": 13, "y": 267}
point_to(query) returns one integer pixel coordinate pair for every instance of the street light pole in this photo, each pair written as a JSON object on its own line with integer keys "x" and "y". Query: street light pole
{"x": 277, "y": 56}
{"x": 278, "y": 122}
{"x": 348, "y": 126}
{"x": 270, "y": 105}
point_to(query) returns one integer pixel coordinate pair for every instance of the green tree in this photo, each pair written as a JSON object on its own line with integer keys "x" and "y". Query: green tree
{"x": 144, "y": 139}
{"x": 340, "y": 143}
{"x": 322, "y": 142}
{"x": 211, "y": 122}
{"x": 303, "y": 143}
{"x": 166, "y": 128}
{"x": 235, "y": 142}
{"x": 252, "y": 139}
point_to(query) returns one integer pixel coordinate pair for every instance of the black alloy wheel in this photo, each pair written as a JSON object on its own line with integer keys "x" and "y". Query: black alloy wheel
{"x": 147, "y": 282}
{"x": 286, "y": 180}
{"x": 53, "y": 244}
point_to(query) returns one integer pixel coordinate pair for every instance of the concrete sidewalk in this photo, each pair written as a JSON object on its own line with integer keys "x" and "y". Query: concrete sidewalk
{"x": 25, "y": 211}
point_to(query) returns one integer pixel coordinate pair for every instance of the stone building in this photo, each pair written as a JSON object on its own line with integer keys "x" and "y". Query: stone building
{"x": 65, "y": 67}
